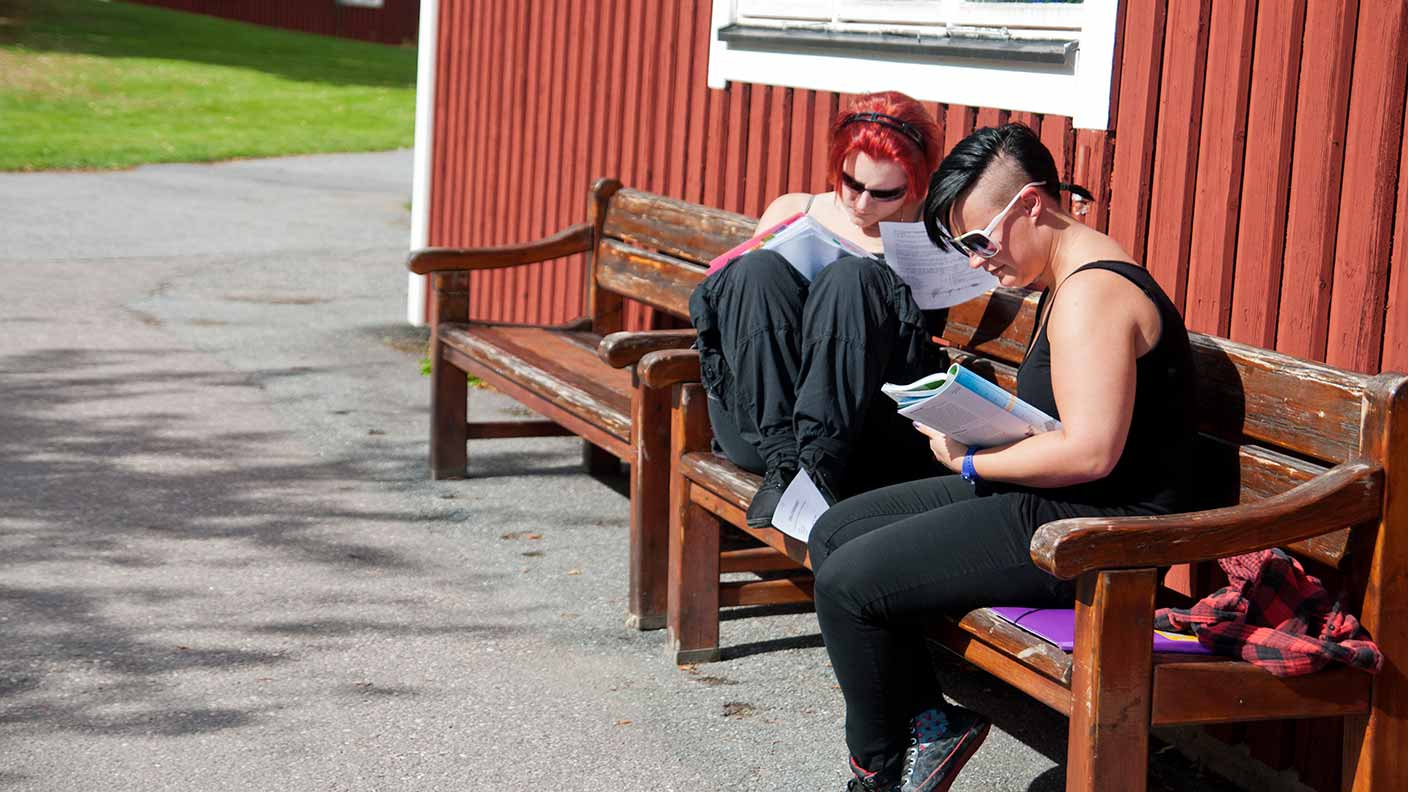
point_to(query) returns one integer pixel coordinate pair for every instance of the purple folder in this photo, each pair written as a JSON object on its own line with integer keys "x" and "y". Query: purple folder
{"x": 1058, "y": 626}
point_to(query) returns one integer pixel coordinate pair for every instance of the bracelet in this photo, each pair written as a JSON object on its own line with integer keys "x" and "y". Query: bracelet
{"x": 970, "y": 474}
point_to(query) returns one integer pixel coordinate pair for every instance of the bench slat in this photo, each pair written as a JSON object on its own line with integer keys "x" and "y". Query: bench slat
{"x": 729, "y": 481}
{"x": 688, "y": 231}
{"x": 1034, "y": 652}
{"x": 1009, "y": 668}
{"x": 782, "y": 591}
{"x": 996, "y": 325}
{"x": 653, "y": 278}
{"x": 1230, "y": 691}
{"x": 555, "y": 366}
{"x": 1281, "y": 401}
{"x": 1262, "y": 473}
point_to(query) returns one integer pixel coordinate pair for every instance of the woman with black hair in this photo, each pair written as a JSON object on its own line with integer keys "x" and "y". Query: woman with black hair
{"x": 1109, "y": 357}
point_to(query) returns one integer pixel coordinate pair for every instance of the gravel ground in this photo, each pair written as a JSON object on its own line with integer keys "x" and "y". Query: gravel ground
{"x": 222, "y": 566}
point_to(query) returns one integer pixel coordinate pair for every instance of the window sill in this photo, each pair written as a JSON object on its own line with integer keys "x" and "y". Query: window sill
{"x": 796, "y": 39}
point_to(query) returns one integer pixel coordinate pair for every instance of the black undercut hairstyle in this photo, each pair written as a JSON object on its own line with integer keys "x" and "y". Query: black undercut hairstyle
{"x": 965, "y": 164}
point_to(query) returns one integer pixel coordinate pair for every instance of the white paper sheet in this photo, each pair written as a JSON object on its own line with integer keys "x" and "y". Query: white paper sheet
{"x": 801, "y": 506}
{"x": 937, "y": 278}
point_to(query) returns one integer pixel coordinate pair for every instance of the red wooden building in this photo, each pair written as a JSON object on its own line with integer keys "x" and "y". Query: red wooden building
{"x": 1250, "y": 152}
{"x": 381, "y": 21}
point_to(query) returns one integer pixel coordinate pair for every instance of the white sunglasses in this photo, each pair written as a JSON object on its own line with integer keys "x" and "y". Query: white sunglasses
{"x": 981, "y": 243}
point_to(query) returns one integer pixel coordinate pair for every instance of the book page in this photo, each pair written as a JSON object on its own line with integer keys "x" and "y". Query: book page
{"x": 1007, "y": 401}
{"x": 969, "y": 418}
{"x": 801, "y": 506}
{"x": 936, "y": 278}
{"x": 809, "y": 247}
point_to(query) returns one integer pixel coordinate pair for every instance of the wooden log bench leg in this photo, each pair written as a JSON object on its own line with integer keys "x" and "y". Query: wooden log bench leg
{"x": 1111, "y": 682}
{"x": 449, "y": 390}
{"x": 694, "y": 585}
{"x": 1376, "y": 745}
{"x": 650, "y": 509}
{"x": 693, "y": 580}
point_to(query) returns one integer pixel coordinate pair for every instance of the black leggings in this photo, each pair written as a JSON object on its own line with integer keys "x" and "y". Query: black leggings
{"x": 793, "y": 369}
{"x": 887, "y": 561}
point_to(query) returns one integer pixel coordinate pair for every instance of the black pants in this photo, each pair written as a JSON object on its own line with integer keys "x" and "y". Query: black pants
{"x": 793, "y": 369}
{"x": 887, "y": 561}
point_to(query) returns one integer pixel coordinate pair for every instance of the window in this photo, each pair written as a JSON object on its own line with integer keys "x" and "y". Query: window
{"x": 1045, "y": 57}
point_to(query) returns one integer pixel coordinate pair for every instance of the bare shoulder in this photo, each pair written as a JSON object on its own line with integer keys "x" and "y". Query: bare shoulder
{"x": 1104, "y": 301}
{"x": 783, "y": 207}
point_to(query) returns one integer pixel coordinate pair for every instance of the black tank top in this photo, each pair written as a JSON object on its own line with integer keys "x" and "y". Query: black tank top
{"x": 1152, "y": 470}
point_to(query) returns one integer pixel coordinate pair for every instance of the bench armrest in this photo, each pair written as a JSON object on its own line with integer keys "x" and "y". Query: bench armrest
{"x": 626, "y": 348}
{"x": 1347, "y": 494}
{"x": 573, "y": 239}
{"x": 668, "y": 367}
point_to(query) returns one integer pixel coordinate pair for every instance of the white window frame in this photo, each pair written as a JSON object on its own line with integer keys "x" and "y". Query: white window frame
{"x": 1080, "y": 89}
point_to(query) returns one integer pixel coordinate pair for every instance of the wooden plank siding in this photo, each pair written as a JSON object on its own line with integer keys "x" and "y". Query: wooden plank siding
{"x": 1176, "y": 145}
{"x": 396, "y": 22}
{"x": 1254, "y": 161}
{"x": 1317, "y": 161}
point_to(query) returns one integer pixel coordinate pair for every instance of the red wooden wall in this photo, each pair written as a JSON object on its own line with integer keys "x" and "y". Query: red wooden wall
{"x": 1289, "y": 242}
{"x": 396, "y": 22}
{"x": 535, "y": 98}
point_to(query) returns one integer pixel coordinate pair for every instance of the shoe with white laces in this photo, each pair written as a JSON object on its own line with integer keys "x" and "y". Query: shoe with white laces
{"x": 942, "y": 741}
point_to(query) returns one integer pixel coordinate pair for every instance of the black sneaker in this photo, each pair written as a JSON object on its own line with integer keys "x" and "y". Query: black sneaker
{"x": 868, "y": 781}
{"x": 764, "y": 503}
{"x": 943, "y": 741}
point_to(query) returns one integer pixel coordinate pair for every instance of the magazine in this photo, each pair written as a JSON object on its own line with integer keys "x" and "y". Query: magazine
{"x": 969, "y": 409}
{"x": 806, "y": 244}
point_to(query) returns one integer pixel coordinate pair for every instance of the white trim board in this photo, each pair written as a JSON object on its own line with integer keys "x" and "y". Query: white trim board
{"x": 1082, "y": 92}
{"x": 422, "y": 167}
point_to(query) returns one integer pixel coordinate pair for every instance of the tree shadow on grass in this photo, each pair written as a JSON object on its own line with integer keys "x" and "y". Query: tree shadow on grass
{"x": 123, "y": 30}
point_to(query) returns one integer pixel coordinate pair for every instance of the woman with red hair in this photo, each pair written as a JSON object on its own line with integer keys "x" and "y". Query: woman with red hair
{"x": 793, "y": 368}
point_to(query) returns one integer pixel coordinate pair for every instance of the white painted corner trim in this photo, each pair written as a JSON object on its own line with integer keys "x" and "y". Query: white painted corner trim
{"x": 1082, "y": 92}
{"x": 425, "y": 128}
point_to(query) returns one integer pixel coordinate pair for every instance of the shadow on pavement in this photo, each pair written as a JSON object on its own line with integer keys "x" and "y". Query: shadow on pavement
{"x": 96, "y": 482}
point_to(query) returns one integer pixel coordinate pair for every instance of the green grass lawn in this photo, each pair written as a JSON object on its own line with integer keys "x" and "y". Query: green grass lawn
{"x": 93, "y": 84}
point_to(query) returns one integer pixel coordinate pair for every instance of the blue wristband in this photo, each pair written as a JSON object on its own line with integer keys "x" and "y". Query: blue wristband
{"x": 970, "y": 474}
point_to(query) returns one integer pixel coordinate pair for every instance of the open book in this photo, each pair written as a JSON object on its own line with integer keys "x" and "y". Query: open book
{"x": 806, "y": 244}
{"x": 968, "y": 408}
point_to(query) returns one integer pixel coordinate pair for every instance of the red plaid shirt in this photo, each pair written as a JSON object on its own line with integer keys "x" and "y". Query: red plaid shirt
{"x": 1274, "y": 615}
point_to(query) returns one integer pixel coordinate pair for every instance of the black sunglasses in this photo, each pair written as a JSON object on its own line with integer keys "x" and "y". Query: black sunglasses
{"x": 892, "y": 194}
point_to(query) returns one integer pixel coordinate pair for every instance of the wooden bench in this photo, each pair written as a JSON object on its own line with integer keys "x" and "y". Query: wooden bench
{"x": 577, "y": 375}
{"x": 1315, "y": 459}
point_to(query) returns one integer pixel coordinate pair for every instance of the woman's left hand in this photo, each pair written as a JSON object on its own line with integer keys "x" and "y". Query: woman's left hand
{"x": 946, "y": 449}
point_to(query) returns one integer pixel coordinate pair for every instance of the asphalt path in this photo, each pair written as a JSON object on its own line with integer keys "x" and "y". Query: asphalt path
{"x": 222, "y": 566}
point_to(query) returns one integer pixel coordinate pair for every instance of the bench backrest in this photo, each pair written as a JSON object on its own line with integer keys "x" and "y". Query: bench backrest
{"x": 653, "y": 250}
{"x": 1268, "y": 421}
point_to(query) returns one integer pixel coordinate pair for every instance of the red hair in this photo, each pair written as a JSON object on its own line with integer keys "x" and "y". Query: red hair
{"x": 912, "y": 140}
